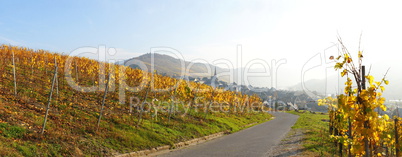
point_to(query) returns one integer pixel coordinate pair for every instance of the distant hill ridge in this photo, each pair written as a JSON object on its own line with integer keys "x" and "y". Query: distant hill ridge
{"x": 171, "y": 66}
{"x": 168, "y": 65}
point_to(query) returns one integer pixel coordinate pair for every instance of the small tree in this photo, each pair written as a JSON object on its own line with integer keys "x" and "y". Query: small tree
{"x": 356, "y": 107}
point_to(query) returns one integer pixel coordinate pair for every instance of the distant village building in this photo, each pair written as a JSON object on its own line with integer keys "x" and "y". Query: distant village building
{"x": 214, "y": 81}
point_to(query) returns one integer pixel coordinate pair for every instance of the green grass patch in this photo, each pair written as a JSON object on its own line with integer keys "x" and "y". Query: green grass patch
{"x": 7, "y": 130}
{"x": 316, "y": 140}
{"x": 150, "y": 134}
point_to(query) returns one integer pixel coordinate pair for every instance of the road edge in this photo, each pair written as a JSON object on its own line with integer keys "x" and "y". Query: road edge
{"x": 168, "y": 148}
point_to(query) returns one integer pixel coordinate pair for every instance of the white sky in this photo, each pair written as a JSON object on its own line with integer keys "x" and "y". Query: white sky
{"x": 292, "y": 30}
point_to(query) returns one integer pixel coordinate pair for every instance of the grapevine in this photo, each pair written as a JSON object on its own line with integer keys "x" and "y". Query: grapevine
{"x": 354, "y": 121}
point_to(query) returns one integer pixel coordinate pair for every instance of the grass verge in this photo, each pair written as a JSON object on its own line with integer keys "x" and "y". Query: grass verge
{"x": 316, "y": 141}
{"x": 116, "y": 137}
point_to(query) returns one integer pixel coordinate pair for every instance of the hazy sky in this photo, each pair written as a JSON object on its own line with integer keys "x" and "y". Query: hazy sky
{"x": 294, "y": 31}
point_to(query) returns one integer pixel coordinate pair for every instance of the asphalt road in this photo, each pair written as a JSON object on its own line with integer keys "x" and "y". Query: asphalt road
{"x": 252, "y": 142}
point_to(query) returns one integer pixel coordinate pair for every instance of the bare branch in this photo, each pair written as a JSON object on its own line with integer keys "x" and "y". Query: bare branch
{"x": 369, "y": 70}
{"x": 360, "y": 39}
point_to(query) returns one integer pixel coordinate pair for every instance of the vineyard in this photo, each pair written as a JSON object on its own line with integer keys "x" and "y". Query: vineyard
{"x": 356, "y": 127}
{"x": 62, "y": 105}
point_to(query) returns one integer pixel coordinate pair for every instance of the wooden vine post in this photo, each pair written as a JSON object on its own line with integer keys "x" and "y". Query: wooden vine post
{"x": 15, "y": 78}
{"x": 172, "y": 105}
{"x": 209, "y": 104}
{"x": 50, "y": 96}
{"x": 103, "y": 101}
{"x": 397, "y": 135}
{"x": 76, "y": 71}
{"x": 147, "y": 90}
{"x": 350, "y": 136}
{"x": 366, "y": 123}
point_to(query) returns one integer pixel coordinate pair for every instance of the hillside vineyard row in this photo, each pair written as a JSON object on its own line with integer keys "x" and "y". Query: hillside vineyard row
{"x": 34, "y": 71}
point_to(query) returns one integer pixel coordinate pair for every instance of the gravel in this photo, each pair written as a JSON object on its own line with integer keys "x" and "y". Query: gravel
{"x": 291, "y": 145}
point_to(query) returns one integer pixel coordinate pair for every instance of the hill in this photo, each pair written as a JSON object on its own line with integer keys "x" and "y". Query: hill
{"x": 171, "y": 66}
{"x": 334, "y": 85}
{"x": 321, "y": 87}
{"x": 137, "y": 113}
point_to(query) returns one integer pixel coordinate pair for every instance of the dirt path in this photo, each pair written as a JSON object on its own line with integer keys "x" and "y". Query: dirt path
{"x": 291, "y": 145}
